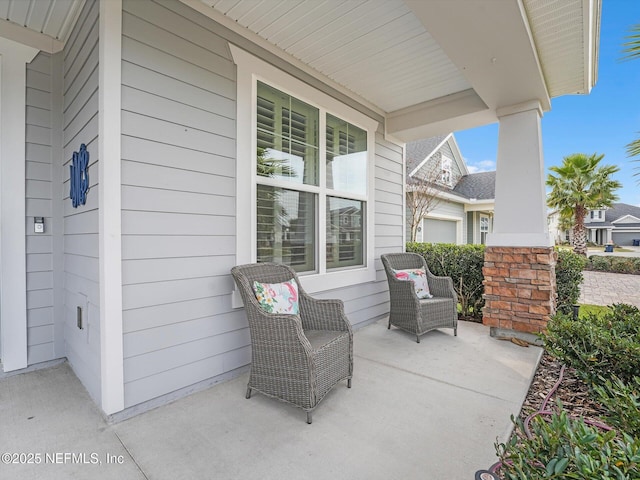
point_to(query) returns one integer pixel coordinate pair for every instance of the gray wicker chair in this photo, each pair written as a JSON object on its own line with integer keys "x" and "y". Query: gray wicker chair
{"x": 412, "y": 314}
{"x": 295, "y": 358}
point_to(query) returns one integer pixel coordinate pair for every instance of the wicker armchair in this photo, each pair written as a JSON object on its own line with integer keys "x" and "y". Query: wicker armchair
{"x": 412, "y": 314}
{"x": 295, "y": 358}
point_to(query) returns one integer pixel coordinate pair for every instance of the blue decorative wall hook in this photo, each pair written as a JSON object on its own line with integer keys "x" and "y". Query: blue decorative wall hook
{"x": 79, "y": 179}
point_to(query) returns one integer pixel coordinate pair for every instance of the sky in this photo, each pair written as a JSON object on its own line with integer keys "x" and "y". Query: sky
{"x": 603, "y": 122}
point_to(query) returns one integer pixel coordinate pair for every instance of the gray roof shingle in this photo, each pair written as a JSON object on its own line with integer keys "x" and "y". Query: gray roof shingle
{"x": 481, "y": 186}
{"x": 418, "y": 150}
{"x": 619, "y": 210}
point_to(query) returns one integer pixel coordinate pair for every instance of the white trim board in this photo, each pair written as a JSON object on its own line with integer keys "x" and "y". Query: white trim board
{"x": 110, "y": 227}
{"x": 249, "y": 70}
{"x": 13, "y": 274}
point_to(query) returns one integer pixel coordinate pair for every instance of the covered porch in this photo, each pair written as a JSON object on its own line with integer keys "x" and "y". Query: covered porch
{"x": 428, "y": 410}
{"x": 174, "y": 100}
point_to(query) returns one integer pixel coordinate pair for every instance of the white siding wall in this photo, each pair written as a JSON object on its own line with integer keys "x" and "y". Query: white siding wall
{"x": 40, "y": 333}
{"x": 178, "y": 201}
{"x": 81, "y": 268}
{"x": 178, "y": 218}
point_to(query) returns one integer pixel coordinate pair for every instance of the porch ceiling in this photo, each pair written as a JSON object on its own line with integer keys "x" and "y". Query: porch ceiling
{"x": 432, "y": 66}
{"x": 44, "y": 24}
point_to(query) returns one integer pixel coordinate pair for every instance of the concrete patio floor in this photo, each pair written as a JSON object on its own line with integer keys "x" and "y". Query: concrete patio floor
{"x": 415, "y": 411}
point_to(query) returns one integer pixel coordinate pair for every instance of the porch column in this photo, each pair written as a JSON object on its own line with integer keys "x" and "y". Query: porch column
{"x": 110, "y": 213}
{"x": 13, "y": 273}
{"x": 609, "y": 236}
{"x": 519, "y": 268}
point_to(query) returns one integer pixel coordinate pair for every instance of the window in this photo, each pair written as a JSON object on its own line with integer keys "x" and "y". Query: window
{"x": 304, "y": 178}
{"x": 446, "y": 176}
{"x": 288, "y": 151}
{"x": 484, "y": 228}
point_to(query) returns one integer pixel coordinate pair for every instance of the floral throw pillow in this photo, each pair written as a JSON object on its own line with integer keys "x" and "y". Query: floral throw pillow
{"x": 277, "y": 297}
{"x": 419, "y": 278}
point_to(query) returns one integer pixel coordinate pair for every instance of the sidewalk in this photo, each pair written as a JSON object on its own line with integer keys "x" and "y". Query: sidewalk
{"x": 415, "y": 411}
{"x": 602, "y": 288}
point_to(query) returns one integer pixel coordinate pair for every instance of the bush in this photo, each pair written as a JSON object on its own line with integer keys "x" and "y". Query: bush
{"x": 463, "y": 263}
{"x": 614, "y": 264}
{"x": 569, "y": 448}
{"x": 622, "y": 402}
{"x": 568, "y": 279}
{"x": 598, "y": 346}
{"x": 598, "y": 263}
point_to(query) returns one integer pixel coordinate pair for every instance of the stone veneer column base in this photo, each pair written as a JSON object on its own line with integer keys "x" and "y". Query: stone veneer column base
{"x": 519, "y": 289}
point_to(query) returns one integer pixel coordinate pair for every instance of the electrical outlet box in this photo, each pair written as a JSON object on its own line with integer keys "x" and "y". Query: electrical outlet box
{"x": 79, "y": 317}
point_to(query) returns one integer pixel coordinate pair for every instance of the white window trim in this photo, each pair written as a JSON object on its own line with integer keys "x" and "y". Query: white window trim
{"x": 250, "y": 69}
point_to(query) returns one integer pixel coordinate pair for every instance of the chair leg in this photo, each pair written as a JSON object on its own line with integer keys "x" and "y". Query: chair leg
{"x": 309, "y": 418}
{"x": 248, "y": 392}
{"x": 417, "y": 338}
{"x": 389, "y": 326}
{"x": 455, "y": 332}
{"x": 348, "y": 383}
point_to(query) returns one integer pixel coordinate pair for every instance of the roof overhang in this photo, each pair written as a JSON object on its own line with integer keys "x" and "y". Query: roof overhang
{"x": 425, "y": 67}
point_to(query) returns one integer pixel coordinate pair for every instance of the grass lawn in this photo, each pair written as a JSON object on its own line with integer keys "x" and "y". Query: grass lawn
{"x": 586, "y": 309}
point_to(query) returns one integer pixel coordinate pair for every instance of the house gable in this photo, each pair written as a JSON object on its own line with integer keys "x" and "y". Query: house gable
{"x": 626, "y": 220}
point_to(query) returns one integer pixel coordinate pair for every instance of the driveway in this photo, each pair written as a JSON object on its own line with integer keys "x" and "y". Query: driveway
{"x": 602, "y": 288}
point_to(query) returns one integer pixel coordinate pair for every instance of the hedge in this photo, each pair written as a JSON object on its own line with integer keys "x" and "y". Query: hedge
{"x": 463, "y": 263}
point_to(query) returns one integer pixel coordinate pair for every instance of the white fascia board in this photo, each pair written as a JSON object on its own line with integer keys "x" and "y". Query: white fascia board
{"x": 480, "y": 205}
{"x": 428, "y": 157}
{"x": 485, "y": 39}
{"x": 626, "y": 218}
{"x": 253, "y": 37}
{"x": 453, "y": 143}
{"x": 409, "y": 123}
{"x": 31, "y": 38}
{"x": 591, "y": 33}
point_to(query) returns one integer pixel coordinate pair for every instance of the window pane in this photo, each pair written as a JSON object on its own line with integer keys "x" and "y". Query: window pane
{"x": 286, "y": 227}
{"x": 345, "y": 224}
{"x": 287, "y": 133}
{"x": 346, "y": 156}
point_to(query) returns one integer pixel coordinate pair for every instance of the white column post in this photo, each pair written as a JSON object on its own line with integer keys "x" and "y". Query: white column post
{"x": 13, "y": 271}
{"x": 110, "y": 220}
{"x": 520, "y": 209}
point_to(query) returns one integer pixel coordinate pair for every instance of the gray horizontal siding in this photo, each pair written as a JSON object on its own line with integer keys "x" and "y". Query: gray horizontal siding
{"x": 38, "y": 177}
{"x": 178, "y": 203}
{"x": 80, "y": 225}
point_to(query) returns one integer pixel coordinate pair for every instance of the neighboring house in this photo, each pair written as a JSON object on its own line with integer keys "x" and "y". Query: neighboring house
{"x": 230, "y": 132}
{"x": 619, "y": 224}
{"x": 463, "y": 212}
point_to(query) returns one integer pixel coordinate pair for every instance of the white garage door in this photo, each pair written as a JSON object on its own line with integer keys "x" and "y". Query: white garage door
{"x": 438, "y": 231}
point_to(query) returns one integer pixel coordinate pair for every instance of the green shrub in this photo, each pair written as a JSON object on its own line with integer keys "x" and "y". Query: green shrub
{"x": 598, "y": 263}
{"x": 564, "y": 448}
{"x": 568, "y": 279}
{"x": 598, "y": 346}
{"x": 463, "y": 263}
{"x": 622, "y": 402}
{"x": 613, "y": 264}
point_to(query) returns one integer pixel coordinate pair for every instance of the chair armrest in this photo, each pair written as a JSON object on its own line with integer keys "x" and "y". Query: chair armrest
{"x": 402, "y": 291}
{"x": 323, "y": 314}
{"x": 441, "y": 287}
{"x": 276, "y": 330}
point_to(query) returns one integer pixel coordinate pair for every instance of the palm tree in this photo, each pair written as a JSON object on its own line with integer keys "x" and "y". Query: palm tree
{"x": 632, "y": 49}
{"x": 581, "y": 185}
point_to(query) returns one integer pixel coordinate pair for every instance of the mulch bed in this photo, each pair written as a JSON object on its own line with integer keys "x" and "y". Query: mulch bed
{"x": 572, "y": 392}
